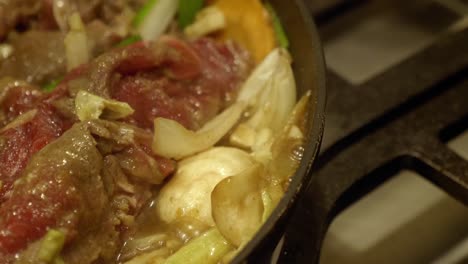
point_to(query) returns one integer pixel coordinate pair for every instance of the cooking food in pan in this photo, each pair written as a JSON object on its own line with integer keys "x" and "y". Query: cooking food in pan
{"x": 131, "y": 131}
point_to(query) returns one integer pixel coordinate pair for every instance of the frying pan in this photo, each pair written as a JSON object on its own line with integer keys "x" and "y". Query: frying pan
{"x": 309, "y": 69}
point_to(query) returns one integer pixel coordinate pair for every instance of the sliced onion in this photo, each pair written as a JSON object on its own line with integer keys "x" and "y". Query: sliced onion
{"x": 89, "y": 106}
{"x": 172, "y": 140}
{"x": 287, "y": 148}
{"x": 261, "y": 76}
{"x": 270, "y": 92}
{"x": 155, "y": 23}
{"x": 208, "y": 20}
{"x": 277, "y": 100}
{"x": 244, "y": 136}
{"x": 76, "y": 43}
{"x": 237, "y": 205}
{"x": 5, "y": 51}
{"x": 62, "y": 9}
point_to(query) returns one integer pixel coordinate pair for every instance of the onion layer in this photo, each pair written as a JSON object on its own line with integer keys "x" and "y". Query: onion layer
{"x": 76, "y": 43}
{"x": 237, "y": 205}
{"x": 208, "y": 20}
{"x": 270, "y": 93}
{"x": 172, "y": 140}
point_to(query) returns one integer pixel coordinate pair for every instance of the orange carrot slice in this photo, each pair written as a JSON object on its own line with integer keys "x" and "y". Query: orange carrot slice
{"x": 249, "y": 24}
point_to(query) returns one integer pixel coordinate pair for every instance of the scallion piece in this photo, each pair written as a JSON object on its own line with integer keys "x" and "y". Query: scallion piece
{"x": 154, "y": 18}
{"x": 51, "y": 245}
{"x": 143, "y": 12}
{"x": 128, "y": 41}
{"x": 76, "y": 43}
{"x": 188, "y": 9}
{"x": 278, "y": 27}
{"x": 208, "y": 248}
{"x": 51, "y": 85}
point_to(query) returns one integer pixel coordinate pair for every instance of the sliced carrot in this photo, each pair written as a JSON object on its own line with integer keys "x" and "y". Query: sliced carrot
{"x": 249, "y": 24}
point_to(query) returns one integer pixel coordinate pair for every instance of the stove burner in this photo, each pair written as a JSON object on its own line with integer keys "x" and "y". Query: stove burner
{"x": 398, "y": 120}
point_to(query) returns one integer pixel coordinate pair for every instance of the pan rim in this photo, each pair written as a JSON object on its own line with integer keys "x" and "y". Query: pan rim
{"x": 303, "y": 175}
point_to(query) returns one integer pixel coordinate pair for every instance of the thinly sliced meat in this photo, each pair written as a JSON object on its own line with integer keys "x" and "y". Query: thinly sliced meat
{"x": 101, "y": 37}
{"x": 27, "y": 124}
{"x": 148, "y": 97}
{"x": 16, "y": 97}
{"x": 101, "y": 72}
{"x": 107, "y": 10}
{"x": 39, "y": 53}
{"x": 133, "y": 145}
{"x": 39, "y": 14}
{"x": 60, "y": 188}
{"x": 225, "y": 65}
{"x": 92, "y": 203}
{"x": 38, "y": 57}
{"x": 94, "y": 179}
{"x": 175, "y": 79}
{"x": 19, "y": 144}
{"x": 197, "y": 81}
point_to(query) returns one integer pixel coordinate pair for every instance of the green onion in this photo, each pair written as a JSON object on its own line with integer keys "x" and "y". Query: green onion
{"x": 51, "y": 245}
{"x": 89, "y": 106}
{"x": 52, "y": 85}
{"x": 188, "y": 9}
{"x": 154, "y": 18}
{"x": 128, "y": 41}
{"x": 278, "y": 27}
{"x": 143, "y": 12}
{"x": 208, "y": 248}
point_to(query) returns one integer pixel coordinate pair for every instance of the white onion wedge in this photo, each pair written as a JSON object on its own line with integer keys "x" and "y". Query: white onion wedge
{"x": 76, "y": 43}
{"x": 172, "y": 140}
{"x": 208, "y": 20}
{"x": 270, "y": 93}
{"x": 262, "y": 74}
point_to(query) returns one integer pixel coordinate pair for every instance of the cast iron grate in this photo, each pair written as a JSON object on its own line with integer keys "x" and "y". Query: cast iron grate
{"x": 400, "y": 119}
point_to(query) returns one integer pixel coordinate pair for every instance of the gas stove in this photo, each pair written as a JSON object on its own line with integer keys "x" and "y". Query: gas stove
{"x": 397, "y": 128}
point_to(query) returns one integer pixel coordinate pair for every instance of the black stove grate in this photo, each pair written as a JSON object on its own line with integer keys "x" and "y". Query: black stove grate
{"x": 325, "y": 10}
{"x": 400, "y": 119}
